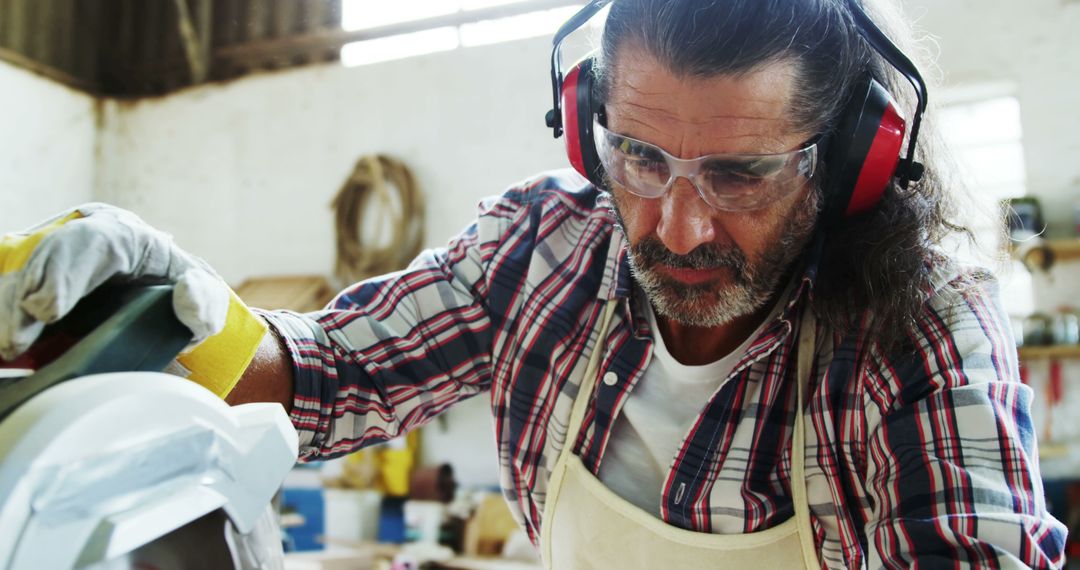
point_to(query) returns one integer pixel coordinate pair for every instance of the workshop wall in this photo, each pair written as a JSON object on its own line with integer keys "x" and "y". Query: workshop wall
{"x": 1030, "y": 46}
{"x": 47, "y": 134}
{"x": 243, "y": 173}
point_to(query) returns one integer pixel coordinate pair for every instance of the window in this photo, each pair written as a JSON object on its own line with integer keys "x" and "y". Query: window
{"x": 986, "y": 139}
{"x": 407, "y": 28}
{"x": 981, "y": 126}
{"x": 400, "y": 46}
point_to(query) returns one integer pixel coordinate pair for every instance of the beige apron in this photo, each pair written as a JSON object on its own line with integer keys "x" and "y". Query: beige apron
{"x": 586, "y": 526}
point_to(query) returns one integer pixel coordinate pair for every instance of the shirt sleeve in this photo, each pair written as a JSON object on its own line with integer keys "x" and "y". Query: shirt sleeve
{"x": 391, "y": 353}
{"x": 953, "y": 472}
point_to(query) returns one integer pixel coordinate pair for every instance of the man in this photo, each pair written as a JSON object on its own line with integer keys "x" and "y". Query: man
{"x": 693, "y": 370}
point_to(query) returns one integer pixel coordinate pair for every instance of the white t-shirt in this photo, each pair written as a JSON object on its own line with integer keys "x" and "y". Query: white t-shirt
{"x": 656, "y": 417}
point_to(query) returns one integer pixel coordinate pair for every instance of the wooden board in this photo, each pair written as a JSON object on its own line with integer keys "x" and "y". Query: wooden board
{"x": 300, "y": 293}
{"x": 1063, "y": 351}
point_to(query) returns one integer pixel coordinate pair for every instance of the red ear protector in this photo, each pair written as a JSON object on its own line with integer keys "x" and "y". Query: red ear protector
{"x": 576, "y": 119}
{"x": 862, "y": 154}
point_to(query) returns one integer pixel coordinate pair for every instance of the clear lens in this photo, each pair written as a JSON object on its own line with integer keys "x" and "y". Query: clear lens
{"x": 627, "y": 160}
{"x": 724, "y": 181}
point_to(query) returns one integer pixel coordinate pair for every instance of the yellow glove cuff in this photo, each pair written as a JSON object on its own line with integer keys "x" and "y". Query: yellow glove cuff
{"x": 219, "y": 361}
{"x": 15, "y": 249}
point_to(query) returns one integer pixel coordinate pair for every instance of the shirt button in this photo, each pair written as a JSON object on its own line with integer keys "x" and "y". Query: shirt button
{"x": 611, "y": 378}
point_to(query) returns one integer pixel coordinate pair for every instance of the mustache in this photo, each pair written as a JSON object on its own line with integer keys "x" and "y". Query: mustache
{"x": 651, "y": 251}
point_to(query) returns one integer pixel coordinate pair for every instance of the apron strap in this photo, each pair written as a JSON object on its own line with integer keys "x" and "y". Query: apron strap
{"x": 807, "y": 338}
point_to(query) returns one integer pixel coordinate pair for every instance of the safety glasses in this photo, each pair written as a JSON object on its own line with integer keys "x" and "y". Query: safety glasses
{"x": 732, "y": 182}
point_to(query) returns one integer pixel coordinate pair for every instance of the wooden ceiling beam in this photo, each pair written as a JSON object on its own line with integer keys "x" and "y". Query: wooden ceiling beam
{"x": 143, "y": 47}
{"x": 16, "y": 16}
{"x": 17, "y": 59}
{"x": 197, "y": 57}
{"x": 251, "y": 54}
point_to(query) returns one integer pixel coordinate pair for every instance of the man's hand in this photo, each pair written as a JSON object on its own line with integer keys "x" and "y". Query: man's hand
{"x": 45, "y": 270}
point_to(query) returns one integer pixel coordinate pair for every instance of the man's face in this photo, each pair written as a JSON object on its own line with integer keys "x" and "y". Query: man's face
{"x": 701, "y": 266}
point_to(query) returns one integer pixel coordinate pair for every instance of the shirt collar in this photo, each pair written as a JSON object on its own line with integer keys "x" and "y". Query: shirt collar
{"x": 618, "y": 282}
{"x": 811, "y": 260}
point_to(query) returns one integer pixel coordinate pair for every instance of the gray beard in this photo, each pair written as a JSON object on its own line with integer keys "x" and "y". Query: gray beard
{"x": 712, "y": 304}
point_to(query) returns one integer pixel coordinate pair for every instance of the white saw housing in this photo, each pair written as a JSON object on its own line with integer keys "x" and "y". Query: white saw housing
{"x": 94, "y": 468}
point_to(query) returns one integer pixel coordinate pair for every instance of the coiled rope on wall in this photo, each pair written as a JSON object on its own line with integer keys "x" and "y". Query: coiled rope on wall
{"x": 377, "y": 237}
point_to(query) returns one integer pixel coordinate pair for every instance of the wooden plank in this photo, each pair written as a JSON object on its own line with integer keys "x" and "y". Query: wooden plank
{"x": 331, "y": 20}
{"x": 83, "y": 40}
{"x": 94, "y": 20}
{"x": 96, "y": 34}
{"x": 125, "y": 28}
{"x": 224, "y": 29}
{"x": 241, "y": 33}
{"x": 149, "y": 35}
{"x": 204, "y": 18}
{"x": 333, "y": 13}
{"x": 1042, "y": 352}
{"x": 301, "y": 293}
{"x": 171, "y": 69}
{"x": 330, "y": 39}
{"x": 314, "y": 15}
{"x": 1065, "y": 249}
{"x": 311, "y": 22}
{"x": 120, "y": 65}
{"x": 20, "y": 60}
{"x": 5, "y": 13}
{"x": 64, "y": 38}
{"x": 286, "y": 13}
{"x": 191, "y": 42}
{"x": 257, "y": 19}
{"x": 283, "y": 16}
{"x": 1043, "y": 255}
{"x": 42, "y": 31}
{"x": 17, "y": 25}
{"x": 226, "y": 22}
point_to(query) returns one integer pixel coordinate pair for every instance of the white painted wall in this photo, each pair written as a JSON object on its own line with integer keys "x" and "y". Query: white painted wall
{"x": 243, "y": 173}
{"x": 1032, "y": 46}
{"x": 47, "y": 134}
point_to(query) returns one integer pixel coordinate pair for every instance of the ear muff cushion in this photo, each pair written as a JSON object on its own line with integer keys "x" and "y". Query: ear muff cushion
{"x": 577, "y": 115}
{"x": 864, "y": 151}
{"x": 880, "y": 164}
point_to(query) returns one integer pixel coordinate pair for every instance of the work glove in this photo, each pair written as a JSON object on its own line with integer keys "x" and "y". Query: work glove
{"x": 45, "y": 270}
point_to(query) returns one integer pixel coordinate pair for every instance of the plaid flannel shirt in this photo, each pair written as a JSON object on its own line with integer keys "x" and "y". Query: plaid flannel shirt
{"x": 925, "y": 457}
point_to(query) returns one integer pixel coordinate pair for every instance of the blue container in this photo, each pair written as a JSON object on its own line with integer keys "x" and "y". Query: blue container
{"x": 310, "y": 505}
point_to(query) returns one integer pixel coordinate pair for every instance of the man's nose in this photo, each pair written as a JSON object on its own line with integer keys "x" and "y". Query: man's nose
{"x": 686, "y": 221}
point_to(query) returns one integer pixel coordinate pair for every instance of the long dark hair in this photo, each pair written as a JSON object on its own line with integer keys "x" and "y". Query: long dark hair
{"x": 875, "y": 272}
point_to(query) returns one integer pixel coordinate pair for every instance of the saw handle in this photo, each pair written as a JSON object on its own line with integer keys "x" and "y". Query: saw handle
{"x": 113, "y": 329}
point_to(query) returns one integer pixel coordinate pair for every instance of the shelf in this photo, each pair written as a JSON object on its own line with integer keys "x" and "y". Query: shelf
{"x": 1053, "y": 450}
{"x": 1065, "y": 249}
{"x": 1062, "y": 351}
{"x": 1042, "y": 254}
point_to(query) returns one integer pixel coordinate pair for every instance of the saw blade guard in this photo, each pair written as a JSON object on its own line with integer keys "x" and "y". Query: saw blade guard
{"x": 100, "y": 465}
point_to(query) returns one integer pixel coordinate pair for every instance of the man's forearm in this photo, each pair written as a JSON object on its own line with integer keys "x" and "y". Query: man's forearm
{"x": 269, "y": 377}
